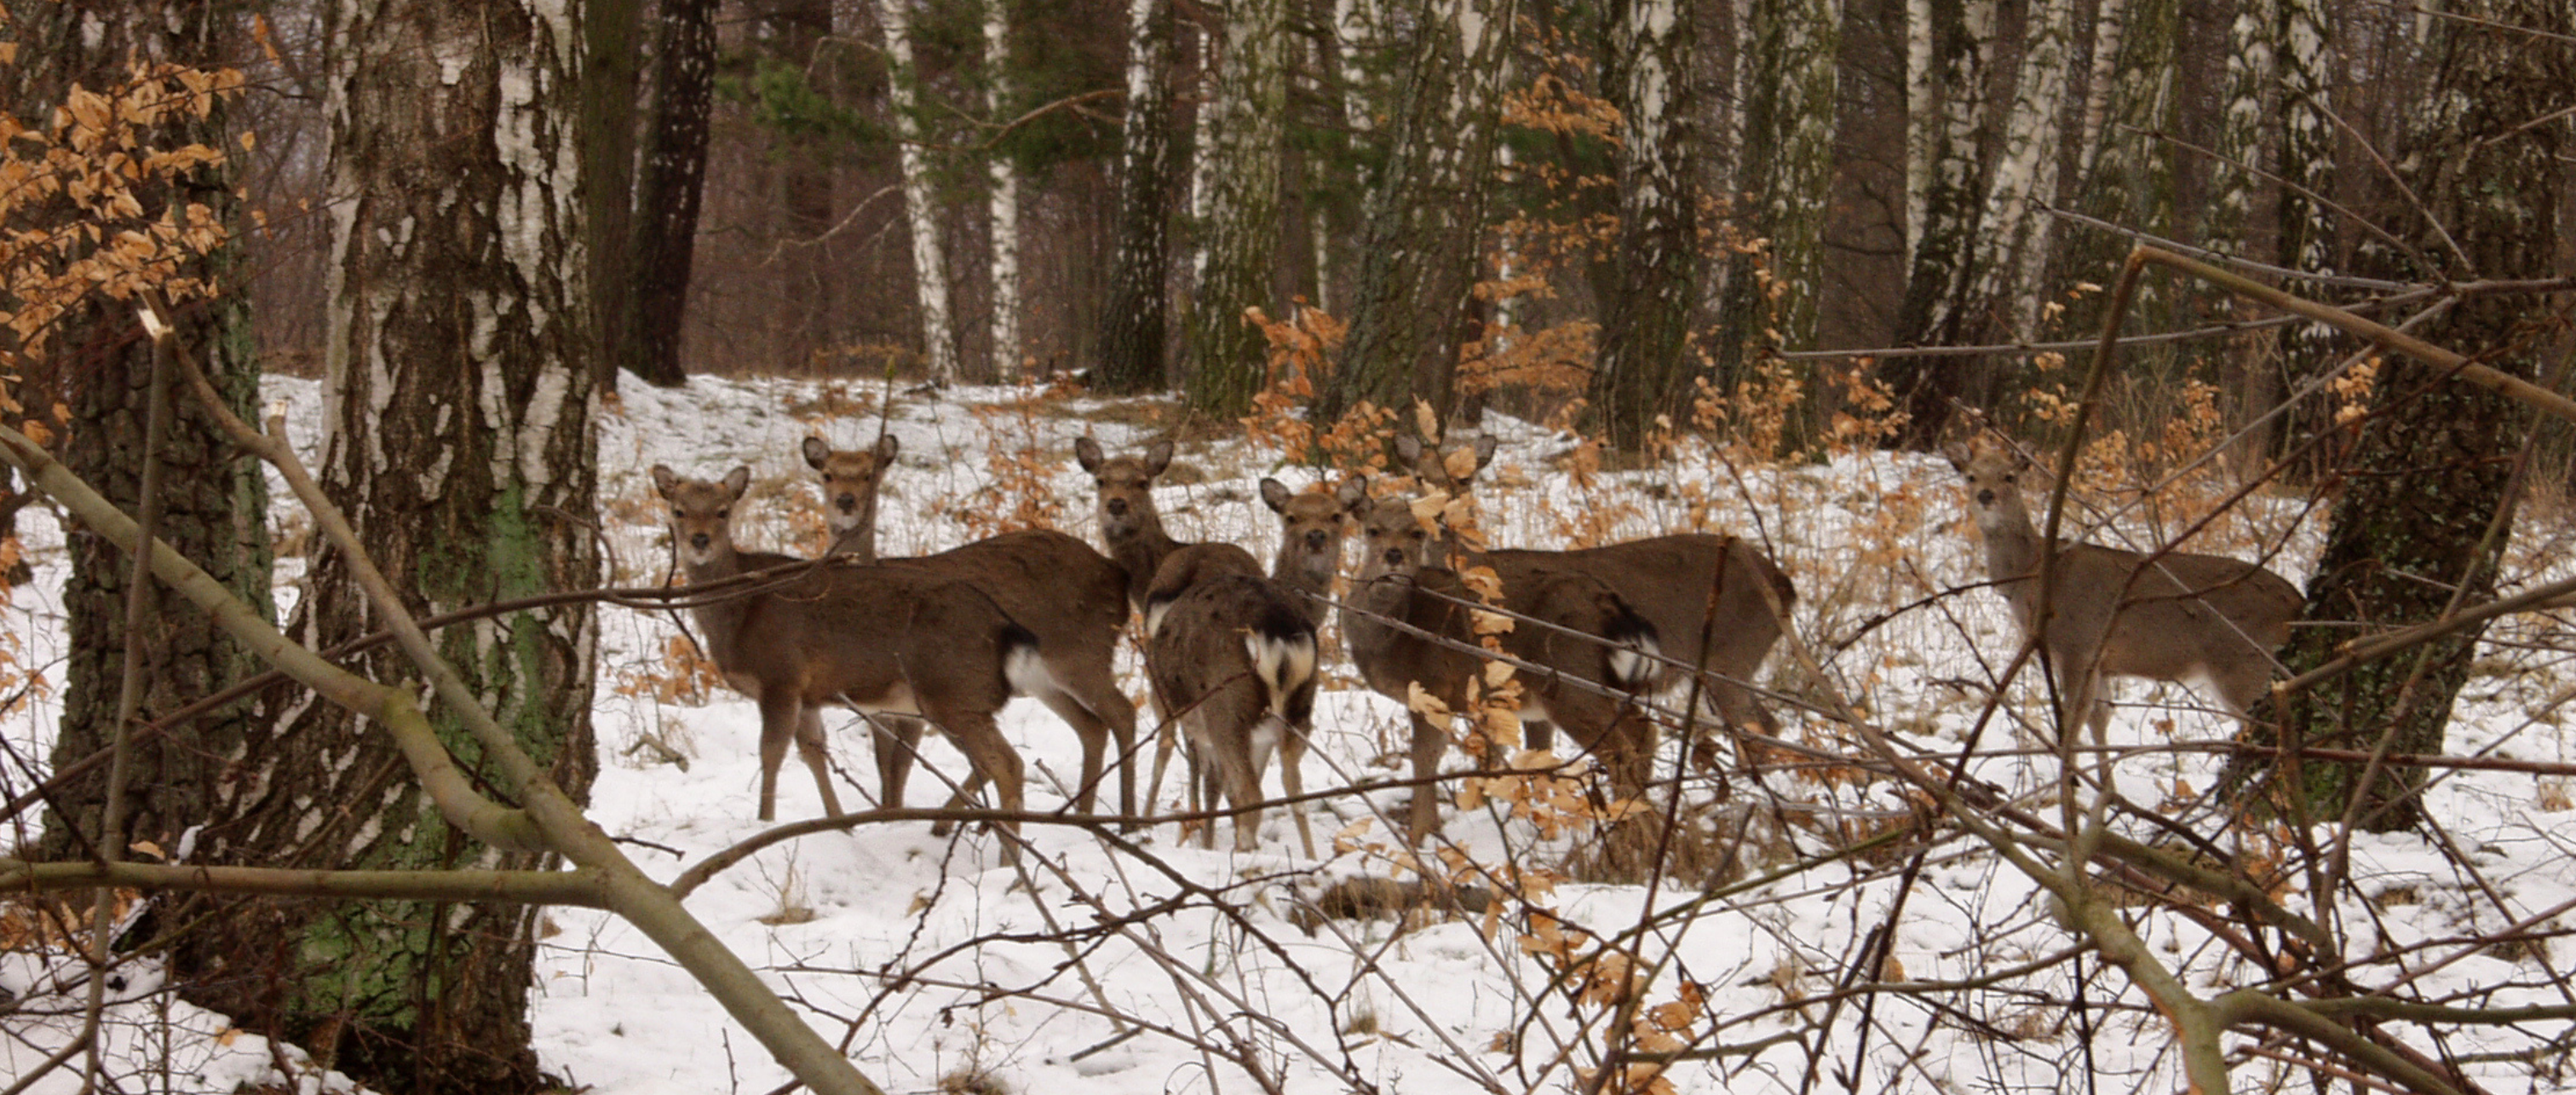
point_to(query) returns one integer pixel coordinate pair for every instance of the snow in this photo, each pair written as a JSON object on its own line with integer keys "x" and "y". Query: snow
{"x": 934, "y": 958}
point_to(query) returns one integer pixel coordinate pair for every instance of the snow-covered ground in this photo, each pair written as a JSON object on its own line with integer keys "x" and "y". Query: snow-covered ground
{"x": 1157, "y": 966}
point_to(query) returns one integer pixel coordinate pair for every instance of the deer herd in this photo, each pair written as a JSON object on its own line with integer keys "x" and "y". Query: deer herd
{"x": 1232, "y": 654}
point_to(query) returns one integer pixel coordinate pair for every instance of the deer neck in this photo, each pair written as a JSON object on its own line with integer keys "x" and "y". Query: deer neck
{"x": 719, "y": 621}
{"x": 1307, "y": 573}
{"x": 1364, "y": 628}
{"x": 859, "y": 540}
{"x": 1139, "y": 550}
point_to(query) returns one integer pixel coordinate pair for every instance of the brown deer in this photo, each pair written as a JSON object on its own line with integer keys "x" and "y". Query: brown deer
{"x": 873, "y": 638}
{"x": 1603, "y": 642}
{"x": 1711, "y": 598}
{"x": 850, "y": 481}
{"x": 1232, "y": 657}
{"x": 2171, "y": 616}
{"x": 1312, "y": 528}
{"x": 1130, "y": 526}
{"x": 1053, "y": 584}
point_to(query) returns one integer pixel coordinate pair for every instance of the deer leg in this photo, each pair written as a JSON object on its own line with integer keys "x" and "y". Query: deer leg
{"x": 897, "y": 738}
{"x": 810, "y": 745}
{"x": 1429, "y": 742}
{"x": 1091, "y": 684}
{"x": 995, "y": 760}
{"x": 1292, "y": 753}
{"x": 1238, "y": 763}
{"x": 1164, "y": 732}
{"x": 1094, "y": 733}
{"x": 778, "y": 715}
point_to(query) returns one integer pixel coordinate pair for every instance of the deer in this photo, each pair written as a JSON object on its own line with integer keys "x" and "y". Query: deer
{"x": 1055, "y": 585}
{"x": 872, "y": 638}
{"x": 1718, "y": 603}
{"x": 1312, "y": 528}
{"x": 1219, "y": 591}
{"x": 1232, "y": 657}
{"x": 2170, "y": 616}
{"x": 1603, "y": 642}
{"x": 850, "y": 481}
{"x": 1130, "y": 526}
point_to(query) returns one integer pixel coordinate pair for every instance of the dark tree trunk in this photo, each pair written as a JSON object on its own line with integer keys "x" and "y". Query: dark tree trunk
{"x": 672, "y": 180}
{"x": 2423, "y": 504}
{"x": 1426, "y": 215}
{"x": 1935, "y": 310}
{"x": 459, "y": 383}
{"x": 797, "y": 31}
{"x": 608, "y": 109}
{"x": 1645, "y": 325}
{"x": 1134, "y": 325}
{"x": 215, "y": 501}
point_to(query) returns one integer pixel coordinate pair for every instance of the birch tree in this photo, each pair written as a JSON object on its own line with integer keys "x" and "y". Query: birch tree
{"x": 1134, "y": 322}
{"x": 1788, "y": 166}
{"x": 1645, "y": 324}
{"x": 1948, "y": 92}
{"x": 920, "y": 209}
{"x": 2130, "y": 180}
{"x": 1002, "y": 201}
{"x": 2013, "y": 231}
{"x": 1226, "y": 355}
{"x": 2423, "y": 517}
{"x": 1426, "y": 212}
{"x": 458, "y": 397}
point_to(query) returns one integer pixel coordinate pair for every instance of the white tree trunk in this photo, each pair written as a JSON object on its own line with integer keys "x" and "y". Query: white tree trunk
{"x": 1005, "y": 198}
{"x": 2110, "y": 28}
{"x": 929, "y": 259}
{"x": 2242, "y": 125}
{"x": 1923, "y": 121}
{"x": 2016, "y": 229}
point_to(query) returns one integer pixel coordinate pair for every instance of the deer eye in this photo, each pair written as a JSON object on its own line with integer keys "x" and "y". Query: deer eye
{"x": 677, "y": 513}
{"x": 724, "y": 514}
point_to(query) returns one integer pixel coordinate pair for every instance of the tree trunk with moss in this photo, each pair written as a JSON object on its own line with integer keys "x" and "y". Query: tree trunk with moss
{"x": 215, "y": 508}
{"x": 458, "y": 396}
{"x": 1949, "y": 88}
{"x": 1226, "y": 357}
{"x": 2422, "y": 517}
{"x": 1644, "y": 362}
{"x": 1135, "y": 323}
{"x": 1770, "y": 303}
{"x": 1426, "y": 214}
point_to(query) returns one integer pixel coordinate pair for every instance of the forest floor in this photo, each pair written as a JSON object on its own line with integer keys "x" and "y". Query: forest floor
{"x": 1142, "y": 963}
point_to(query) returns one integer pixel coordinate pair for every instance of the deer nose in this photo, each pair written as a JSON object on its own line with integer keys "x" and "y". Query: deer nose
{"x": 1985, "y": 498}
{"x": 1395, "y": 557}
{"x": 1315, "y": 539}
{"x": 1117, "y": 507}
{"x": 699, "y": 541}
{"x": 849, "y": 503}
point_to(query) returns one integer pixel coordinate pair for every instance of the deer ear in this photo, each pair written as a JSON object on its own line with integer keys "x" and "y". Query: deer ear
{"x": 1274, "y": 494}
{"x": 1086, "y": 452}
{"x": 1957, "y": 454}
{"x": 737, "y": 481}
{"x": 1485, "y": 447}
{"x": 816, "y": 452}
{"x": 1158, "y": 456}
{"x": 887, "y": 447}
{"x": 1353, "y": 494}
{"x": 664, "y": 479}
